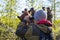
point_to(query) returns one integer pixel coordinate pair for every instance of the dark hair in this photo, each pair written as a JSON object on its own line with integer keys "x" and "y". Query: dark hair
{"x": 43, "y": 8}
{"x": 25, "y": 9}
{"x": 22, "y": 11}
{"x": 32, "y": 9}
{"x": 48, "y": 7}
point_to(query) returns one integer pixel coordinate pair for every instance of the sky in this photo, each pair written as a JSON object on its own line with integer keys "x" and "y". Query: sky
{"x": 21, "y": 4}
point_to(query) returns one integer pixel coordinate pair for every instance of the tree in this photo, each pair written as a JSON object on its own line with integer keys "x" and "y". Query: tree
{"x": 8, "y": 22}
{"x": 37, "y": 4}
{"x": 55, "y": 5}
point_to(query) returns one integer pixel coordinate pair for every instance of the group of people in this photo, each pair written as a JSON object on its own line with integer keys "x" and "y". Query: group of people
{"x": 35, "y": 25}
{"x": 48, "y": 13}
{"x": 27, "y": 16}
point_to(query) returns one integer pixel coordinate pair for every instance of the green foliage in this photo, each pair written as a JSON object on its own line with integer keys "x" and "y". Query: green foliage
{"x": 57, "y": 21}
{"x": 8, "y": 27}
{"x": 33, "y": 3}
{"x": 56, "y": 31}
{"x": 8, "y": 22}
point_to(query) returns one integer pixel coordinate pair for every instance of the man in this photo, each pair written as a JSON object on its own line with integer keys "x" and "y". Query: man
{"x": 32, "y": 11}
{"x": 43, "y": 8}
{"x": 49, "y": 14}
{"x": 44, "y": 25}
{"x": 37, "y": 30}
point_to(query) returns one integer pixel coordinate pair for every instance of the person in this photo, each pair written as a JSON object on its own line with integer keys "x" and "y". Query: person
{"x": 22, "y": 26}
{"x": 44, "y": 25}
{"x": 24, "y": 17}
{"x": 32, "y": 11}
{"x": 37, "y": 30}
{"x": 43, "y": 8}
{"x": 49, "y": 14}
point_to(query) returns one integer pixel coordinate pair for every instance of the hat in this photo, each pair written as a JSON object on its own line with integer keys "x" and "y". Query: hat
{"x": 39, "y": 15}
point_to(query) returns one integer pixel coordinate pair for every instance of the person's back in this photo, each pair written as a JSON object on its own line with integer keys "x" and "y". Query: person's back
{"x": 31, "y": 32}
{"x": 37, "y": 32}
{"x": 43, "y": 24}
{"x": 34, "y": 33}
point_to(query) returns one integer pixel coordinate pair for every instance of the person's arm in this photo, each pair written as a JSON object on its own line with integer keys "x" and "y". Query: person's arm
{"x": 21, "y": 17}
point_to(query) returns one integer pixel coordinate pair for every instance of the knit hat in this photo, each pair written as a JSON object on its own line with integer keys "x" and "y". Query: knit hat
{"x": 40, "y": 15}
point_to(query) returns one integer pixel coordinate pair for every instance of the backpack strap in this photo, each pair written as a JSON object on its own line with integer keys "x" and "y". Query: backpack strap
{"x": 28, "y": 33}
{"x": 43, "y": 28}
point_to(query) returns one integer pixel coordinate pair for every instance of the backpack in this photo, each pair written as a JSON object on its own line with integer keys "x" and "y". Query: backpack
{"x": 26, "y": 32}
{"x": 38, "y": 32}
{"x": 31, "y": 32}
{"x": 21, "y": 29}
